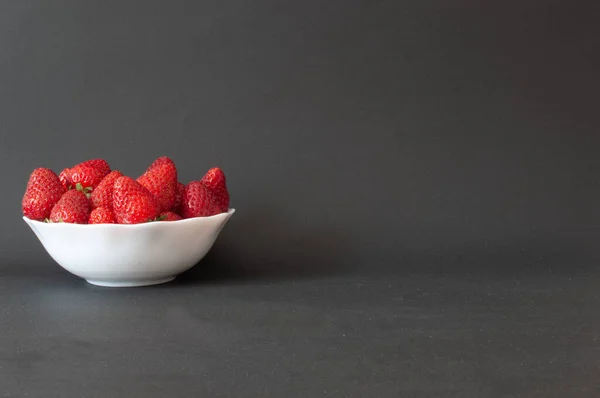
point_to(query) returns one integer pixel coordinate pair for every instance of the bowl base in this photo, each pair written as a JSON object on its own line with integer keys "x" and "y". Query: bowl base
{"x": 145, "y": 282}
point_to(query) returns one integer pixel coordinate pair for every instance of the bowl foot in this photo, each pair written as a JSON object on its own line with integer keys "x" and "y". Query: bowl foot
{"x": 145, "y": 282}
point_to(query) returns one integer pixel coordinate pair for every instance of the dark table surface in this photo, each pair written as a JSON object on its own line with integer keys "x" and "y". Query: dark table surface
{"x": 514, "y": 331}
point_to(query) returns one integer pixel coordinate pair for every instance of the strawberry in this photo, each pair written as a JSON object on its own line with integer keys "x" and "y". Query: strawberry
{"x": 99, "y": 164}
{"x": 65, "y": 179}
{"x": 73, "y": 207}
{"x": 133, "y": 203}
{"x": 161, "y": 181}
{"x": 160, "y": 161}
{"x": 198, "y": 201}
{"x": 178, "y": 198}
{"x": 169, "y": 216}
{"x": 43, "y": 191}
{"x": 215, "y": 181}
{"x": 102, "y": 196}
{"x": 101, "y": 215}
{"x": 89, "y": 174}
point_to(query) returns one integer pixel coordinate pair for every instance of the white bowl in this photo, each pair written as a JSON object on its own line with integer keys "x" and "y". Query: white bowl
{"x": 117, "y": 255}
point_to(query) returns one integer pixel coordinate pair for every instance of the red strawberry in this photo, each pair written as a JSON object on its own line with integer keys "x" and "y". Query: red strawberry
{"x": 161, "y": 181}
{"x": 98, "y": 164}
{"x": 160, "y": 161}
{"x": 101, "y": 215}
{"x": 198, "y": 201}
{"x": 43, "y": 191}
{"x": 169, "y": 216}
{"x": 73, "y": 207}
{"x": 133, "y": 203}
{"x": 65, "y": 179}
{"x": 215, "y": 181}
{"x": 102, "y": 196}
{"x": 89, "y": 173}
{"x": 179, "y": 198}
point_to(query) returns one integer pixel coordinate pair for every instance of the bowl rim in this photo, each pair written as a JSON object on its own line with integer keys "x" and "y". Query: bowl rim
{"x": 157, "y": 224}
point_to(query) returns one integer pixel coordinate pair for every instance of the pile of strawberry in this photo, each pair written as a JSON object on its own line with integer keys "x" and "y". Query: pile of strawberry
{"x": 92, "y": 193}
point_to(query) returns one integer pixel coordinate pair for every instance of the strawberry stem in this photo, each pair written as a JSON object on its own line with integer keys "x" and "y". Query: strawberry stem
{"x": 86, "y": 190}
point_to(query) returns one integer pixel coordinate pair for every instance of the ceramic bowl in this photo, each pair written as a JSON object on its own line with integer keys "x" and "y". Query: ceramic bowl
{"x": 117, "y": 255}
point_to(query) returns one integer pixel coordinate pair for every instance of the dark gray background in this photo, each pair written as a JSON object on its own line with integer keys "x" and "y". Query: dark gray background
{"x": 416, "y": 185}
{"x": 350, "y": 131}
